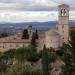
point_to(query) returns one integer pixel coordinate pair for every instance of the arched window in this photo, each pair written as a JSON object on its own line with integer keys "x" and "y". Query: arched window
{"x": 63, "y": 12}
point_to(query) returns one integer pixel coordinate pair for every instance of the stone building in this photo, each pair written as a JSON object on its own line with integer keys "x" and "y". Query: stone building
{"x": 54, "y": 37}
{"x": 15, "y": 41}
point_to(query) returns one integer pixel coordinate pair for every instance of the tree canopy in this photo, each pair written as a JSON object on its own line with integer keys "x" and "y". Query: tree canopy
{"x": 25, "y": 34}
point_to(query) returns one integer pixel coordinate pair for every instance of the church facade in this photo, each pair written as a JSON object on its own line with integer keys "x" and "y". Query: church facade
{"x": 54, "y": 37}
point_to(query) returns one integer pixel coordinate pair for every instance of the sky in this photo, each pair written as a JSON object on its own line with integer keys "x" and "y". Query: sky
{"x": 32, "y": 10}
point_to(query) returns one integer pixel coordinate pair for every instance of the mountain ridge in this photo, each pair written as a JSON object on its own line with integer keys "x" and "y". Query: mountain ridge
{"x": 7, "y": 27}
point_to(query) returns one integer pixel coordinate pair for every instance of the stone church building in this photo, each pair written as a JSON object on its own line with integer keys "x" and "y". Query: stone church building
{"x": 54, "y": 37}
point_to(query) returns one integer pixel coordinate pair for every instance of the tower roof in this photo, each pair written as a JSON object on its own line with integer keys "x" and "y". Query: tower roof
{"x": 63, "y": 5}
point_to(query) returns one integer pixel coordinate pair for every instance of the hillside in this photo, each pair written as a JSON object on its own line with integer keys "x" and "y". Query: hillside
{"x": 13, "y": 27}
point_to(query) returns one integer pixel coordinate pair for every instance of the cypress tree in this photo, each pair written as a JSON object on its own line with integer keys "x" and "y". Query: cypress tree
{"x": 33, "y": 41}
{"x": 36, "y": 34}
{"x": 25, "y": 34}
{"x": 45, "y": 61}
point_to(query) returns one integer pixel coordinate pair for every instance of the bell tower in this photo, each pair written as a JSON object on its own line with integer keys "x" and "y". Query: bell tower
{"x": 63, "y": 23}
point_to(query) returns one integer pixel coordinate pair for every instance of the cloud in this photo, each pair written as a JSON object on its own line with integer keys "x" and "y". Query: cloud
{"x": 27, "y": 16}
{"x": 27, "y": 5}
{"x": 69, "y": 2}
{"x": 25, "y": 10}
{"x": 34, "y": 5}
{"x": 10, "y": 1}
{"x": 31, "y": 16}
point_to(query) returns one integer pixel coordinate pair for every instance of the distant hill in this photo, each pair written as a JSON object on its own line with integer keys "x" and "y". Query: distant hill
{"x": 12, "y": 27}
{"x": 72, "y": 23}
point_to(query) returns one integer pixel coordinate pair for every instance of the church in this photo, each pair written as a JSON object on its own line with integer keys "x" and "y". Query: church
{"x": 58, "y": 35}
{"x": 54, "y": 37}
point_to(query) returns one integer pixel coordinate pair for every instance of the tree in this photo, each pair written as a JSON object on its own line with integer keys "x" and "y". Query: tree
{"x": 36, "y": 71}
{"x": 45, "y": 61}
{"x": 26, "y": 69}
{"x": 10, "y": 53}
{"x": 9, "y": 56}
{"x": 20, "y": 54}
{"x": 72, "y": 44}
{"x": 25, "y": 34}
{"x": 33, "y": 40}
{"x": 3, "y": 65}
{"x": 18, "y": 69}
{"x": 32, "y": 55}
{"x": 4, "y": 34}
{"x": 48, "y": 57}
{"x": 67, "y": 58}
{"x": 36, "y": 34}
{"x": 27, "y": 54}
